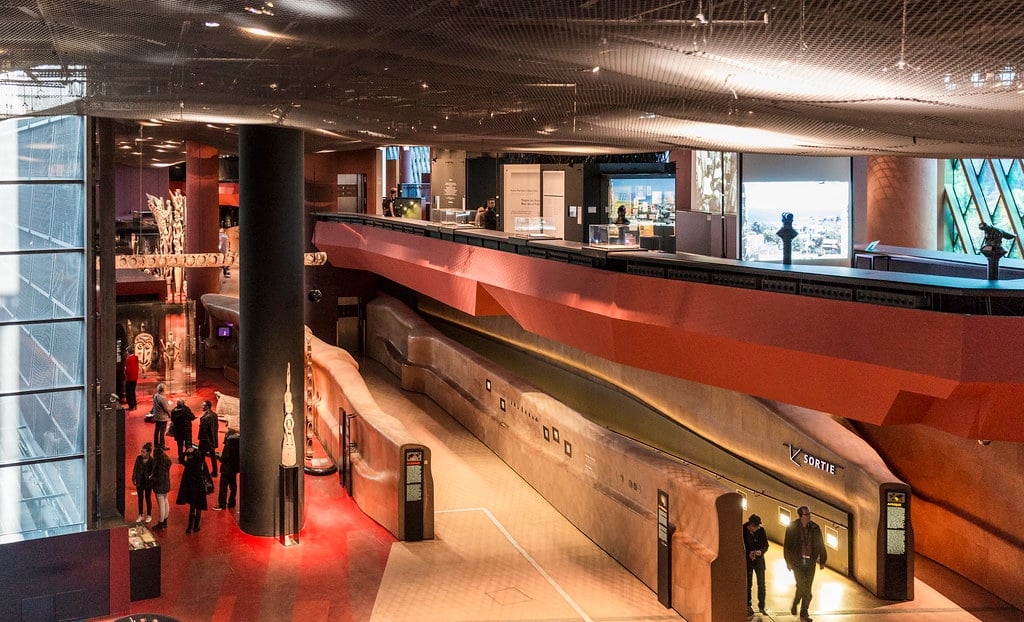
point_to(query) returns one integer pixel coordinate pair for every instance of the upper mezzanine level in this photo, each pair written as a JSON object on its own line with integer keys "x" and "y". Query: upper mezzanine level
{"x": 881, "y": 347}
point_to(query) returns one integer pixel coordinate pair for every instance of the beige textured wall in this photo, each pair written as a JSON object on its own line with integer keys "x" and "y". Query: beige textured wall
{"x": 607, "y": 487}
{"x": 748, "y": 427}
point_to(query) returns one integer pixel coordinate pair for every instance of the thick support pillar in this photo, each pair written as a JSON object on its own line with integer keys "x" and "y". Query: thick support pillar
{"x": 108, "y": 433}
{"x": 405, "y": 174}
{"x": 271, "y": 299}
{"x": 202, "y": 180}
{"x": 903, "y": 202}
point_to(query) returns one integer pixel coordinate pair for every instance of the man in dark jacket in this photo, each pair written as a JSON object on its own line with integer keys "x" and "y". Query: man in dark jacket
{"x": 209, "y": 429}
{"x": 755, "y": 541}
{"x": 490, "y": 215}
{"x": 803, "y": 548}
{"x": 181, "y": 427}
{"x": 228, "y": 471}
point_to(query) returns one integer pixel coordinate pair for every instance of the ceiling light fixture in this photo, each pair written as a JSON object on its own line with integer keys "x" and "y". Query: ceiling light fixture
{"x": 211, "y": 24}
{"x": 259, "y": 32}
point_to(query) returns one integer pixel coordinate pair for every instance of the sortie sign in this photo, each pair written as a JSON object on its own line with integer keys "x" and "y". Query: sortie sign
{"x": 801, "y": 458}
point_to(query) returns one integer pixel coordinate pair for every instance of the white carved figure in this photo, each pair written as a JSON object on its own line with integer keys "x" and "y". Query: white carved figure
{"x": 288, "y": 445}
{"x": 170, "y": 222}
{"x": 170, "y": 351}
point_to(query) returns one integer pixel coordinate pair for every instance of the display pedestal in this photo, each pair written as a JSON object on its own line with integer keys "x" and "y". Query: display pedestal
{"x": 288, "y": 508}
{"x": 143, "y": 563}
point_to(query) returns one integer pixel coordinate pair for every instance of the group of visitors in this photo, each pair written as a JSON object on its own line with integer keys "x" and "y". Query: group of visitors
{"x": 151, "y": 472}
{"x": 803, "y": 549}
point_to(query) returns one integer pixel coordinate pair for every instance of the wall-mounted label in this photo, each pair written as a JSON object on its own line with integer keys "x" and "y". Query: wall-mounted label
{"x": 801, "y": 458}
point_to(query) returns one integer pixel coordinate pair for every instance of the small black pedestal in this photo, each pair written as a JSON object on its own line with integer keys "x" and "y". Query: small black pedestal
{"x": 288, "y": 507}
{"x": 143, "y": 563}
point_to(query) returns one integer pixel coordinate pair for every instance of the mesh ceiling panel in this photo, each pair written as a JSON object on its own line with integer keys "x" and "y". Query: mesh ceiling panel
{"x": 930, "y": 78}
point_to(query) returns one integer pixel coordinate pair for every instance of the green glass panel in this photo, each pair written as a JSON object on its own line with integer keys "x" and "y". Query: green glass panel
{"x": 989, "y": 189}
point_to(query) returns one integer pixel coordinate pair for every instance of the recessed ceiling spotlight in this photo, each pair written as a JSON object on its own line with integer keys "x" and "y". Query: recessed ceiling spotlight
{"x": 211, "y": 24}
{"x": 596, "y": 69}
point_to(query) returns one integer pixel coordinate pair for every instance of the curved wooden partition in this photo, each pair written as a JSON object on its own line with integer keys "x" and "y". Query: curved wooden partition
{"x": 605, "y": 484}
{"x": 380, "y": 443}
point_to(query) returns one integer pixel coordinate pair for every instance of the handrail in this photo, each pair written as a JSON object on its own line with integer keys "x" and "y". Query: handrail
{"x": 942, "y": 294}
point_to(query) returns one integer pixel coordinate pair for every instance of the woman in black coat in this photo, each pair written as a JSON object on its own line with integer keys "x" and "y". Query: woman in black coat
{"x": 192, "y": 490}
{"x": 161, "y": 485}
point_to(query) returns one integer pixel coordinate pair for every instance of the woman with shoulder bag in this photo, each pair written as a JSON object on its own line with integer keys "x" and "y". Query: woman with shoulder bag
{"x": 161, "y": 485}
{"x": 196, "y": 483}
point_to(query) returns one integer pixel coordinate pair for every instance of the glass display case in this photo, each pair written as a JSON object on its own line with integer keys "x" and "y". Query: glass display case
{"x": 615, "y": 237}
{"x": 533, "y": 227}
{"x": 140, "y": 537}
{"x": 453, "y": 217}
{"x": 647, "y": 199}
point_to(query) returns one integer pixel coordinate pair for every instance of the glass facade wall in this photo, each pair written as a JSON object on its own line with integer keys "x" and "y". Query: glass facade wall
{"x": 42, "y": 327}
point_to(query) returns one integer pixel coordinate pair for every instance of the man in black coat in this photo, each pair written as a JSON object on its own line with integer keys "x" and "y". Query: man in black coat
{"x": 804, "y": 547}
{"x": 209, "y": 428}
{"x": 181, "y": 427}
{"x": 228, "y": 471}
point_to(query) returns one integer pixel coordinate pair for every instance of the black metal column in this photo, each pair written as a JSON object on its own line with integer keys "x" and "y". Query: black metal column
{"x": 270, "y": 306}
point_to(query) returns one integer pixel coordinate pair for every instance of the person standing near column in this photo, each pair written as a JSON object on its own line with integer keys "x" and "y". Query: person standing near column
{"x": 803, "y": 548}
{"x": 228, "y": 471}
{"x": 209, "y": 429}
{"x": 755, "y": 541}
{"x": 131, "y": 378}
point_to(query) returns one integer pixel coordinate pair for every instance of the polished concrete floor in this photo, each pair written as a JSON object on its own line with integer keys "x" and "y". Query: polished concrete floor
{"x": 502, "y": 553}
